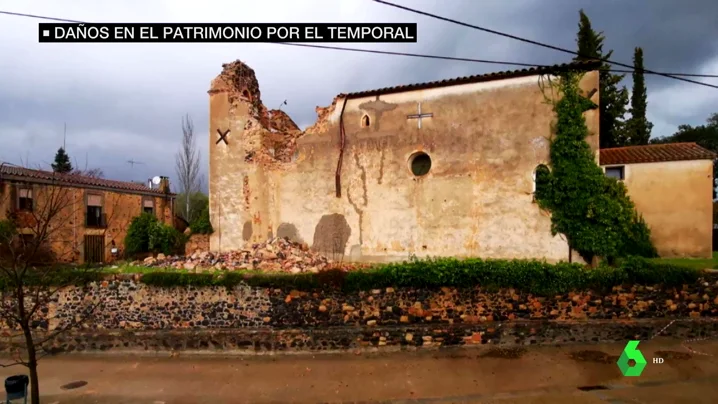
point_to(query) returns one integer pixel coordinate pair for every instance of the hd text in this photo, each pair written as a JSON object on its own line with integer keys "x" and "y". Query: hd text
{"x": 350, "y": 32}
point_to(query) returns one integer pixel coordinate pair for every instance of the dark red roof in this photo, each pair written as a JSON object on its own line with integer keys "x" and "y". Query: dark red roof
{"x": 533, "y": 71}
{"x": 655, "y": 153}
{"x": 81, "y": 181}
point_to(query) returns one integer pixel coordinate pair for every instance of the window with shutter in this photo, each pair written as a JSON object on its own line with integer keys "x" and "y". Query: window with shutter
{"x": 24, "y": 199}
{"x": 148, "y": 206}
{"x": 94, "y": 216}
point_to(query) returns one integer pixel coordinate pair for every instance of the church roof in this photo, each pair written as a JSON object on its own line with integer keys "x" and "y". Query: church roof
{"x": 12, "y": 172}
{"x": 655, "y": 153}
{"x": 508, "y": 74}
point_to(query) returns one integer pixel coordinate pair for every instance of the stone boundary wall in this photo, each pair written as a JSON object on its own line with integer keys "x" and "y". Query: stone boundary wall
{"x": 245, "y": 341}
{"x": 127, "y": 303}
{"x": 278, "y": 319}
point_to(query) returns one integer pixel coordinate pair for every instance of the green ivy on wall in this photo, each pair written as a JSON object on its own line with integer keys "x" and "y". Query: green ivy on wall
{"x": 591, "y": 210}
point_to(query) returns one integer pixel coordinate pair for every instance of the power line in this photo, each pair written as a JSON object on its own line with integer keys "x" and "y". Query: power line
{"x": 41, "y": 17}
{"x": 458, "y": 59}
{"x": 526, "y": 40}
{"x": 416, "y": 55}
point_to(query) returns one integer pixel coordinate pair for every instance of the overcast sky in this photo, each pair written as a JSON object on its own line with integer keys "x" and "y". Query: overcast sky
{"x": 125, "y": 101}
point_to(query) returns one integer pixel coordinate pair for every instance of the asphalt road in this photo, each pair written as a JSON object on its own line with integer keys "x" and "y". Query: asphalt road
{"x": 569, "y": 374}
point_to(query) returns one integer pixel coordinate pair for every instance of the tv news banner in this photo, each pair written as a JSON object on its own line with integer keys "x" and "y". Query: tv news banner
{"x": 273, "y": 32}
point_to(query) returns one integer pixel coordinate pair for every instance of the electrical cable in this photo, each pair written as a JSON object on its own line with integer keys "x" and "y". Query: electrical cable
{"x": 380, "y": 52}
{"x": 530, "y": 41}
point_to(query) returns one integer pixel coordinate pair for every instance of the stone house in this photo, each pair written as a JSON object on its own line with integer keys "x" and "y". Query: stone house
{"x": 86, "y": 217}
{"x": 672, "y": 187}
{"x": 442, "y": 168}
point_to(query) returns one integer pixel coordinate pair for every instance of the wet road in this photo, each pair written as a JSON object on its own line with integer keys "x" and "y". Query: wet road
{"x": 569, "y": 374}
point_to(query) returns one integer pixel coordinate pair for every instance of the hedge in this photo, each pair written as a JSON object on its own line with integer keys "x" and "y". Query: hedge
{"x": 536, "y": 277}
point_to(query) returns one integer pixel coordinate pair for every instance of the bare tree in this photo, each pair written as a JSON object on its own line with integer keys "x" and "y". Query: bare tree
{"x": 187, "y": 165}
{"x": 32, "y": 274}
{"x": 87, "y": 172}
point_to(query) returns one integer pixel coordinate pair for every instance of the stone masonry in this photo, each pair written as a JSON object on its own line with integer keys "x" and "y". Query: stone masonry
{"x": 265, "y": 319}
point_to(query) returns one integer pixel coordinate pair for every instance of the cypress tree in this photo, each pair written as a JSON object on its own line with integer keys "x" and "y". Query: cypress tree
{"x": 62, "y": 162}
{"x": 638, "y": 128}
{"x": 613, "y": 100}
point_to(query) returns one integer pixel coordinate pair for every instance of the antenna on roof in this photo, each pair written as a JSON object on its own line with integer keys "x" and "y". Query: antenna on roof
{"x": 283, "y": 103}
{"x": 133, "y": 162}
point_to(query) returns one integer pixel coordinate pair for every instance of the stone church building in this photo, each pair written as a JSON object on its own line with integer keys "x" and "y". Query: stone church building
{"x": 443, "y": 168}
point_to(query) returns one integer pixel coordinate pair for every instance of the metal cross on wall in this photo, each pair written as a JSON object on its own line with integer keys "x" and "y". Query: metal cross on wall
{"x": 419, "y": 115}
{"x": 222, "y": 137}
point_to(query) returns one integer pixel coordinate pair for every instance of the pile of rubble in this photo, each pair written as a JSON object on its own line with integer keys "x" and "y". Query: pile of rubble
{"x": 275, "y": 255}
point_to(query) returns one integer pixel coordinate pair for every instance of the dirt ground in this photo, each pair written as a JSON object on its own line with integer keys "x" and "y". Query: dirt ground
{"x": 569, "y": 374}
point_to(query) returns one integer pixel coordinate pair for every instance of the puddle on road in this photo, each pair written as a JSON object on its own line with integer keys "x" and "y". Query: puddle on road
{"x": 592, "y": 388}
{"x": 593, "y": 356}
{"x": 74, "y": 385}
{"x": 504, "y": 353}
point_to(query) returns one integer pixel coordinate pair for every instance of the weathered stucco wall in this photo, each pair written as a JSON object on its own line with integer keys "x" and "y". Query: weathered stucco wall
{"x": 484, "y": 141}
{"x": 676, "y": 200}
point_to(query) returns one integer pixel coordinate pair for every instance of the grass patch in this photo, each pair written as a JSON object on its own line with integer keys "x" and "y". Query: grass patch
{"x": 696, "y": 263}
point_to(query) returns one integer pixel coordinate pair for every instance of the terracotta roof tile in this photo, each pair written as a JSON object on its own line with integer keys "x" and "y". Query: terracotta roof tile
{"x": 578, "y": 65}
{"x": 76, "y": 180}
{"x": 655, "y": 153}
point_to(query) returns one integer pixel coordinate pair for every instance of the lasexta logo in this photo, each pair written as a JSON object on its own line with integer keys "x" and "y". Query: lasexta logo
{"x": 631, "y": 352}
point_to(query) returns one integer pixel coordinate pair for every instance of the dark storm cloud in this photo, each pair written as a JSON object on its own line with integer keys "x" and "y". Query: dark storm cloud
{"x": 125, "y": 102}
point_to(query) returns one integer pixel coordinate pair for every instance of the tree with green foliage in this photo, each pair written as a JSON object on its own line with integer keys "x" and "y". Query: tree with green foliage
{"x": 137, "y": 239}
{"x": 202, "y": 224}
{"x": 705, "y": 136}
{"x": 147, "y": 234}
{"x": 62, "y": 163}
{"x": 198, "y": 201}
{"x": 638, "y": 128}
{"x": 591, "y": 210}
{"x": 613, "y": 99}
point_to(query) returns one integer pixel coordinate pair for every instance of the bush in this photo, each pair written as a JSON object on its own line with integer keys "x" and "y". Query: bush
{"x": 147, "y": 234}
{"x": 137, "y": 239}
{"x": 165, "y": 239}
{"x": 7, "y": 231}
{"x": 536, "y": 277}
{"x": 202, "y": 224}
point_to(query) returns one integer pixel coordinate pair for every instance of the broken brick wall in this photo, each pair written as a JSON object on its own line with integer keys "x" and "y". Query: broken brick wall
{"x": 484, "y": 141}
{"x": 247, "y": 141}
{"x": 196, "y": 243}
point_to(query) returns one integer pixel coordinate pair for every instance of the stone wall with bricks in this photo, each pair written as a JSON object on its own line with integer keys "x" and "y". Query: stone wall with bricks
{"x": 129, "y": 312}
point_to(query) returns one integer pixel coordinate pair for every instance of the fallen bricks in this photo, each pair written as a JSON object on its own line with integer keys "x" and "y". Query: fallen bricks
{"x": 275, "y": 255}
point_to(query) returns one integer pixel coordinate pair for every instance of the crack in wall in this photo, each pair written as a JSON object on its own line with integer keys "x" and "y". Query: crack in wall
{"x": 246, "y": 191}
{"x": 359, "y": 211}
{"x": 381, "y": 162}
{"x": 363, "y": 179}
